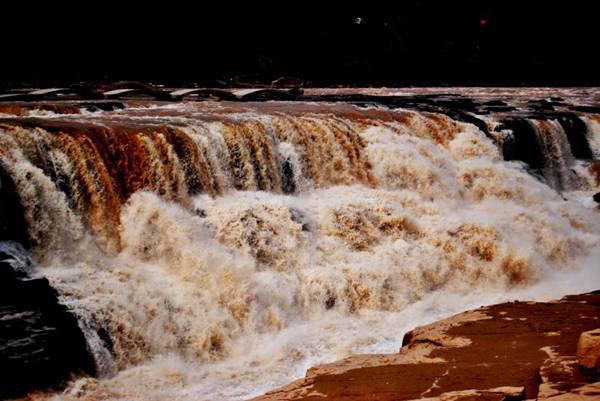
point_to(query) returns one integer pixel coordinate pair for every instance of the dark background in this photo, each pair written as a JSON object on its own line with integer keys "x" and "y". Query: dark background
{"x": 415, "y": 43}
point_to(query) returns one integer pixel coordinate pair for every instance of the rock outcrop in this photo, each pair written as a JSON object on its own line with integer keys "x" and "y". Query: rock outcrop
{"x": 41, "y": 344}
{"x": 509, "y": 351}
{"x": 588, "y": 349}
{"x": 588, "y": 353}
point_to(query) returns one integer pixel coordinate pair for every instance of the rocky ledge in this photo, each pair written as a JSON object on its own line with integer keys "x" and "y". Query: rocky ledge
{"x": 510, "y": 351}
{"x": 41, "y": 344}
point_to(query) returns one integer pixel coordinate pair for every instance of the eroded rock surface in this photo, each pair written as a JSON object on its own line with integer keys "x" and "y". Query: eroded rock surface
{"x": 588, "y": 349}
{"x": 509, "y": 351}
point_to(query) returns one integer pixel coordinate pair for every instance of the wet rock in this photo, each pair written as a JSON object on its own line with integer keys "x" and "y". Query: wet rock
{"x": 586, "y": 109}
{"x": 286, "y": 82}
{"x": 12, "y": 222}
{"x": 103, "y": 105}
{"x": 523, "y": 145}
{"x": 288, "y": 185}
{"x": 494, "y": 103}
{"x": 576, "y": 131}
{"x": 468, "y": 118}
{"x": 141, "y": 88}
{"x": 540, "y": 105}
{"x": 41, "y": 344}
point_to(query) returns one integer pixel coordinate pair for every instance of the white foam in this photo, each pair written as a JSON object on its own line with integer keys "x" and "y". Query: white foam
{"x": 227, "y": 297}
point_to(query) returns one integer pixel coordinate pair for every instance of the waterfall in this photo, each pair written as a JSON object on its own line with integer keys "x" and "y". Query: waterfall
{"x": 185, "y": 234}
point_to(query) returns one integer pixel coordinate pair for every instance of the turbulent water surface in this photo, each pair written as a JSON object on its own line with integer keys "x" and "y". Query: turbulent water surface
{"x": 217, "y": 250}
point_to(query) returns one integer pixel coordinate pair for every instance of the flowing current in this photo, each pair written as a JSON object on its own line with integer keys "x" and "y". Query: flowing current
{"x": 216, "y": 251}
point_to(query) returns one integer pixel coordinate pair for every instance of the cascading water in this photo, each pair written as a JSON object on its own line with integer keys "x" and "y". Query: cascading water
{"x": 217, "y": 250}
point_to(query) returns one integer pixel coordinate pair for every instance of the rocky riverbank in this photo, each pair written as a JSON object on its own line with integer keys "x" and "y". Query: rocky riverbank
{"x": 509, "y": 351}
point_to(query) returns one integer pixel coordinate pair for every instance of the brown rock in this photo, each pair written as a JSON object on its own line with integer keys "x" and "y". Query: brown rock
{"x": 559, "y": 375}
{"x": 492, "y": 394}
{"x": 467, "y": 357}
{"x": 588, "y": 349}
{"x": 588, "y": 392}
{"x": 594, "y": 169}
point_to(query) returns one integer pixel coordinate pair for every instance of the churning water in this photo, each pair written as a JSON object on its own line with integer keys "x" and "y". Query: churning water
{"x": 216, "y": 251}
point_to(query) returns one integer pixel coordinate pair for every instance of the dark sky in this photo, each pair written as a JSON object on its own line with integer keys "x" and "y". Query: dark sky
{"x": 412, "y": 43}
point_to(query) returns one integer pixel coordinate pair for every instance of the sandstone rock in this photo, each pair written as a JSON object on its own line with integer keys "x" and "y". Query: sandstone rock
{"x": 493, "y": 394}
{"x": 475, "y": 355}
{"x": 559, "y": 375}
{"x": 435, "y": 333}
{"x": 588, "y": 349}
{"x": 588, "y": 392}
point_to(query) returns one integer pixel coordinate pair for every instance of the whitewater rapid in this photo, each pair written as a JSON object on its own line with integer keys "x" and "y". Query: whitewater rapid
{"x": 222, "y": 256}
